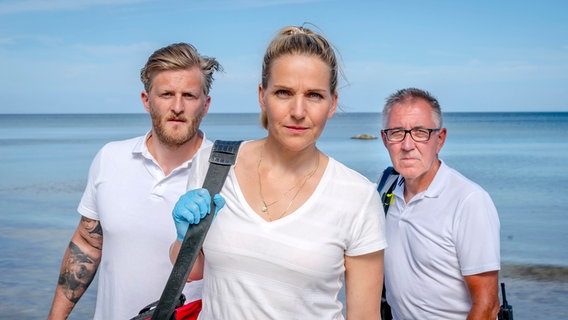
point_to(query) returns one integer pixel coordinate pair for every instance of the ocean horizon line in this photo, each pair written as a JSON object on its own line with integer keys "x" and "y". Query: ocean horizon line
{"x": 339, "y": 112}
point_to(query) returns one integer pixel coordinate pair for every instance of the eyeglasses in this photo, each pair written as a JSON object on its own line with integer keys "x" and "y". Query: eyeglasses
{"x": 417, "y": 134}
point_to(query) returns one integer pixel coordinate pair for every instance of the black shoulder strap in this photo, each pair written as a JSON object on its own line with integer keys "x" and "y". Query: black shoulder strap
{"x": 223, "y": 155}
{"x": 387, "y": 183}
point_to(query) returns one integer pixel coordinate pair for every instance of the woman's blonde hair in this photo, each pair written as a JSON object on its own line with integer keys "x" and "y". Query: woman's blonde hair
{"x": 299, "y": 40}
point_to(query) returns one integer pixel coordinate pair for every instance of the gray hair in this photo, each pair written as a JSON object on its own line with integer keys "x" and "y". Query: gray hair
{"x": 409, "y": 95}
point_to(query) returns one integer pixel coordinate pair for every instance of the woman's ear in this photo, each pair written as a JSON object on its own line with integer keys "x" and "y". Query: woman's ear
{"x": 333, "y": 107}
{"x": 261, "y": 97}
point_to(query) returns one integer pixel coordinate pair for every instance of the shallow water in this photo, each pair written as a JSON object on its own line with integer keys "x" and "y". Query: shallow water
{"x": 520, "y": 158}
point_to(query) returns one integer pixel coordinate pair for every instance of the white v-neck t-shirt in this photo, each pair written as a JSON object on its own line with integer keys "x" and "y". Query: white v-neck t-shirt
{"x": 290, "y": 268}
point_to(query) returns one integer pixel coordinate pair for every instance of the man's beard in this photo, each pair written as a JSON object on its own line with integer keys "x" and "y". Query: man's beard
{"x": 178, "y": 138}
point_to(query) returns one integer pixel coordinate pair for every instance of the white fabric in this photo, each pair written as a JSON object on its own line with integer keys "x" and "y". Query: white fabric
{"x": 449, "y": 231}
{"x": 133, "y": 199}
{"x": 290, "y": 268}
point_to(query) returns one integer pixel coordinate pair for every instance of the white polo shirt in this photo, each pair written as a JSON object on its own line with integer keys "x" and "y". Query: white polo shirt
{"x": 129, "y": 194}
{"x": 449, "y": 231}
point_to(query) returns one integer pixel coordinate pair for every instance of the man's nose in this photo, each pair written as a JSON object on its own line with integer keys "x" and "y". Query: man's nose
{"x": 408, "y": 143}
{"x": 178, "y": 105}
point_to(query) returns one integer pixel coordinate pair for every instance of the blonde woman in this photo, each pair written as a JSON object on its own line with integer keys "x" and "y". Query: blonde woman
{"x": 294, "y": 219}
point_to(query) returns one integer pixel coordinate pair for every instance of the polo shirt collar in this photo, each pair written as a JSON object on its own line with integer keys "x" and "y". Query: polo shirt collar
{"x": 434, "y": 189}
{"x": 437, "y": 185}
{"x": 141, "y": 149}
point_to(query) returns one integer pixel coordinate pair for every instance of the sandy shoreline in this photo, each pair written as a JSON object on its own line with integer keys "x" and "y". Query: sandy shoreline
{"x": 536, "y": 291}
{"x": 534, "y": 272}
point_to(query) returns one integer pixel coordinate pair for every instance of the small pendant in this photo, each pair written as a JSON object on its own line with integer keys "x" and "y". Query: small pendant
{"x": 264, "y": 209}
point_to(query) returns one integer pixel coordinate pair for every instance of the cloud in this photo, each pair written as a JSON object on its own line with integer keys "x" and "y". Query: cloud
{"x": 474, "y": 85}
{"x": 24, "y": 6}
{"x": 25, "y": 40}
{"x": 108, "y": 51}
{"x": 269, "y": 3}
{"x": 17, "y": 6}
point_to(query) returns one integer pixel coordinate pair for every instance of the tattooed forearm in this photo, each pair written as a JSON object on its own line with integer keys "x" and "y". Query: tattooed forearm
{"x": 97, "y": 230}
{"x": 77, "y": 275}
{"x": 92, "y": 232}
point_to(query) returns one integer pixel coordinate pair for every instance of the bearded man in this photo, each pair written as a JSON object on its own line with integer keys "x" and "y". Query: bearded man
{"x": 131, "y": 190}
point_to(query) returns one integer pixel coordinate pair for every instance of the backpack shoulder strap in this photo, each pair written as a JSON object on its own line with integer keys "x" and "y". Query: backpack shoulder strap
{"x": 223, "y": 156}
{"x": 387, "y": 183}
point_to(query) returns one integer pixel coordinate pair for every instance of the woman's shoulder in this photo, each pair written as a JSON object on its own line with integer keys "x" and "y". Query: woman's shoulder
{"x": 341, "y": 173}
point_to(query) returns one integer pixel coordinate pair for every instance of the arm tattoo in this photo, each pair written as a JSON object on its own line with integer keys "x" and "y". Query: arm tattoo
{"x": 94, "y": 232}
{"x": 80, "y": 267}
{"x": 78, "y": 274}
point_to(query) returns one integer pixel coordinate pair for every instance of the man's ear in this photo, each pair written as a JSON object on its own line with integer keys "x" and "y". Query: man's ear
{"x": 384, "y": 138}
{"x": 145, "y": 100}
{"x": 441, "y": 139}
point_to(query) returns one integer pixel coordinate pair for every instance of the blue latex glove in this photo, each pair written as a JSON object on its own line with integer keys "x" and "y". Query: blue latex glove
{"x": 192, "y": 207}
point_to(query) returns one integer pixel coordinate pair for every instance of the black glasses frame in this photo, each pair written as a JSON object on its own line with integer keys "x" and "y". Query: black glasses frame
{"x": 386, "y": 132}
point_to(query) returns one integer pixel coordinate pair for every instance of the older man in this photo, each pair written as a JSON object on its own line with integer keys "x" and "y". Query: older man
{"x": 443, "y": 256}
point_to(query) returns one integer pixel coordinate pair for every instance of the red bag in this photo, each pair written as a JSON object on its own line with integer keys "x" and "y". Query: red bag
{"x": 189, "y": 311}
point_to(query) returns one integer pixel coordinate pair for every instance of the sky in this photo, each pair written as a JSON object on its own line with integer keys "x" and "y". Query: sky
{"x": 84, "y": 56}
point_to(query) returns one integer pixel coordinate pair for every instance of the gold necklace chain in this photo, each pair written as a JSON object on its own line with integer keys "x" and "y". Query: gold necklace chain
{"x": 265, "y": 205}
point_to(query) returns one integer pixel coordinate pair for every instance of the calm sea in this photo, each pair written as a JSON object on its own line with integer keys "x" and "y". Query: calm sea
{"x": 520, "y": 158}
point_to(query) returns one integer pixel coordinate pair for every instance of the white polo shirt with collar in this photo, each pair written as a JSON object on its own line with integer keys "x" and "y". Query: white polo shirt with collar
{"x": 449, "y": 231}
{"x": 129, "y": 194}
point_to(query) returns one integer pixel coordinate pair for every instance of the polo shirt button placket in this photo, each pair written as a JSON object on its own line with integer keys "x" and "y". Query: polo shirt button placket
{"x": 159, "y": 189}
